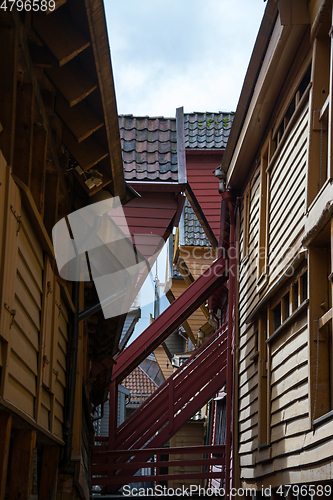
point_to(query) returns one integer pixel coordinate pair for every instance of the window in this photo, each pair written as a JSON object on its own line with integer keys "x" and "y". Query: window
{"x": 319, "y": 168}
{"x": 295, "y": 100}
{"x": 320, "y": 324}
{"x": 292, "y": 301}
{"x": 263, "y": 421}
{"x": 246, "y": 222}
{"x": 263, "y": 225}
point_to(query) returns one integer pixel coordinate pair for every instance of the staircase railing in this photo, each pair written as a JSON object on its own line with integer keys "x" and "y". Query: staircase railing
{"x": 166, "y": 410}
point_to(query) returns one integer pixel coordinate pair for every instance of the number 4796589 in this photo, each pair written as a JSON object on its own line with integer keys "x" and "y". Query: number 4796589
{"x": 27, "y": 5}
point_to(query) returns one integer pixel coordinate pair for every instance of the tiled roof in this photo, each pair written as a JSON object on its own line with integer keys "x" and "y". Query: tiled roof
{"x": 207, "y": 130}
{"x": 149, "y": 148}
{"x": 140, "y": 386}
{"x": 193, "y": 231}
{"x": 149, "y": 144}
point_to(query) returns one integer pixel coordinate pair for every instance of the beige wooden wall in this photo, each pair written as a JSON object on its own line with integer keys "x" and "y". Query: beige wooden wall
{"x": 287, "y": 356}
{"x": 191, "y": 434}
{"x": 33, "y": 318}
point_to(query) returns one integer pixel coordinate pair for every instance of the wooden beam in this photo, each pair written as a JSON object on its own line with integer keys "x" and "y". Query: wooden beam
{"x": 87, "y": 153}
{"x": 5, "y": 430}
{"x": 61, "y": 35}
{"x": 201, "y": 216}
{"x": 58, "y": 3}
{"x": 51, "y": 201}
{"x": 41, "y": 56}
{"x": 28, "y": 67}
{"x": 24, "y": 133}
{"x": 81, "y": 120}
{"x": 74, "y": 83}
{"x": 49, "y": 473}
{"x": 22, "y": 465}
{"x": 8, "y": 57}
{"x": 101, "y": 49}
{"x": 38, "y": 171}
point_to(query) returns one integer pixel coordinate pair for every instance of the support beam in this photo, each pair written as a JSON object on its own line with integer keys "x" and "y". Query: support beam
{"x": 49, "y": 473}
{"x": 5, "y": 430}
{"x": 22, "y": 465}
{"x": 80, "y": 119}
{"x": 87, "y": 153}
{"x": 74, "y": 84}
{"x": 8, "y": 57}
{"x": 51, "y": 201}
{"x": 193, "y": 297}
{"x": 38, "y": 172}
{"x": 24, "y": 133}
{"x": 61, "y": 35}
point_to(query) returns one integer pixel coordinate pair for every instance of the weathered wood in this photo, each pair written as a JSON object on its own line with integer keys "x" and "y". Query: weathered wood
{"x": 5, "y": 432}
{"x": 8, "y": 57}
{"x": 101, "y": 50}
{"x": 22, "y": 159}
{"x": 80, "y": 119}
{"x": 13, "y": 211}
{"x": 38, "y": 171}
{"x": 22, "y": 464}
{"x": 51, "y": 201}
{"x": 318, "y": 139}
{"x": 319, "y": 353}
{"x": 74, "y": 84}
{"x": 48, "y": 312}
{"x": 87, "y": 153}
{"x": 61, "y": 35}
{"x": 58, "y": 3}
{"x": 49, "y": 473}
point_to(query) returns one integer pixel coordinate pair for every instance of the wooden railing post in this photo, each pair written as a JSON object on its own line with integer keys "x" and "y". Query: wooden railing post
{"x": 113, "y": 413}
{"x": 171, "y": 409}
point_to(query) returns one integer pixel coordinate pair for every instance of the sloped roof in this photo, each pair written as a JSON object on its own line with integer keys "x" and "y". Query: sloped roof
{"x": 140, "y": 385}
{"x": 207, "y": 130}
{"x": 149, "y": 148}
{"x": 193, "y": 230}
{"x": 149, "y": 144}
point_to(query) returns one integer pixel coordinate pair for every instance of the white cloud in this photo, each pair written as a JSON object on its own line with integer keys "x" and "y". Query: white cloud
{"x": 181, "y": 53}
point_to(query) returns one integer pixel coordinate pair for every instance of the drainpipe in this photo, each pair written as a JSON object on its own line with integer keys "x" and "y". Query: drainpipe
{"x": 228, "y": 197}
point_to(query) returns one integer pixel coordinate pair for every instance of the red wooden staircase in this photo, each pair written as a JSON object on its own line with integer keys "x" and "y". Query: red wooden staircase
{"x": 162, "y": 414}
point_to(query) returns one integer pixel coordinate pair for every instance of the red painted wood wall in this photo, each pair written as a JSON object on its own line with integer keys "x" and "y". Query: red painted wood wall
{"x": 200, "y": 166}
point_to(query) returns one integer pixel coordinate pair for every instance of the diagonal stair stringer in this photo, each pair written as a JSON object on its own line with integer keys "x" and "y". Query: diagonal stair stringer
{"x": 174, "y": 316}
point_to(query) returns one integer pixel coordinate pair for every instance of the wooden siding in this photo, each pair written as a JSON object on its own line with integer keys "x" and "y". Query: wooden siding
{"x": 197, "y": 259}
{"x": 288, "y": 407}
{"x": 34, "y": 322}
{"x": 287, "y": 196}
{"x": 138, "y": 213}
{"x": 286, "y": 216}
{"x": 248, "y": 296}
{"x": 199, "y": 167}
{"x": 197, "y": 320}
{"x": 163, "y": 362}
{"x": 191, "y": 434}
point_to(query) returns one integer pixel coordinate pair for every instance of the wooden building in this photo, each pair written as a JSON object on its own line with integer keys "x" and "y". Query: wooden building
{"x": 59, "y": 146}
{"x": 279, "y": 159}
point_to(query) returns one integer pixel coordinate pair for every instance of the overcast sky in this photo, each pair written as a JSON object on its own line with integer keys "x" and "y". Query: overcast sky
{"x": 172, "y": 53}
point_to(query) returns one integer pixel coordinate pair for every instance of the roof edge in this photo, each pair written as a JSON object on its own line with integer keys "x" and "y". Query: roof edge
{"x": 250, "y": 80}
